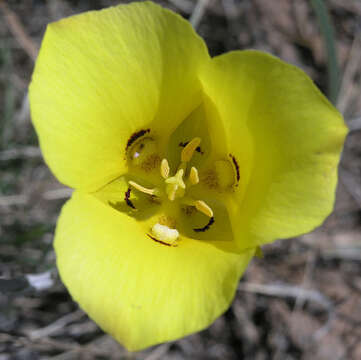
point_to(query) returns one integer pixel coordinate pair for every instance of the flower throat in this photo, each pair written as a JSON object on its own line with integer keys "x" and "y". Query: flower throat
{"x": 174, "y": 188}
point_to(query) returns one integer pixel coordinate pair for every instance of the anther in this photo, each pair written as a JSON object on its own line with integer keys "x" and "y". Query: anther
{"x": 164, "y": 169}
{"x": 189, "y": 149}
{"x": 142, "y": 188}
{"x": 165, "y": 234}
{"x": 193, "y": 176}
{"x": 203, "y": 208}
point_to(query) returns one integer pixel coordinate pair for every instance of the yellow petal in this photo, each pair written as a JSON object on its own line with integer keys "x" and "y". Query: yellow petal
{"x": 104, "y": 75}
{"x": 140, "y": 291}
{"x": 286, "y": 138}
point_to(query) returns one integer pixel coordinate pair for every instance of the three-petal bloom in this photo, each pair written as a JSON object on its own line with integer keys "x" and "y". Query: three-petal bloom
{"x": 183, "y": 165}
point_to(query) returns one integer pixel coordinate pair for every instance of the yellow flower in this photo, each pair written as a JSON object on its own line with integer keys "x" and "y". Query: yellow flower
{"x": 183, "y": 165}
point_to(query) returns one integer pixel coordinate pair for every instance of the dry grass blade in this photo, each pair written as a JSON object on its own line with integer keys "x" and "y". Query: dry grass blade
{"x": 184, "y": 5}
{"x": 352, "y": 185}
{"x": 327, "y": 30}
{"x": 285, "y": 291}
{"x": 354, "y": 124}
{"x": 18, "y": 31}
{"x": 56, "y": 194}
{"x": 299, "y": 294}
{"x": 198, "y": 13}
{"x": 352, "y": 67}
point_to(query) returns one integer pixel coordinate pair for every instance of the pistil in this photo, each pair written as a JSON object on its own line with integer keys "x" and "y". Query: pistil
{"x": 176, "y": 185}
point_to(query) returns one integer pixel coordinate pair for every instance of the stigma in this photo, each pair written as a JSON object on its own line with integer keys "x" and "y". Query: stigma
{"x": 175, "y": 185}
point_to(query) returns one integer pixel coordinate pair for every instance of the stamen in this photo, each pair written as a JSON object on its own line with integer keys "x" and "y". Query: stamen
{"x": 165, "y": 234}
{"x": 142, "y": 188}
{"x": 164, "y": 168}
{"x": 203, "y": 208}
{"x": 198, "y": 149}
{"x": 193, "y": 176}
{"x": 189, "y": 149}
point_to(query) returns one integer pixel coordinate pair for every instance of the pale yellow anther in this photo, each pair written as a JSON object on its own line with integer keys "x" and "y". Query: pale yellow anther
{"x": 203, "y": 208}
{"x": 164, "y": 168}
{"x": 189, "y": 149}
{"x": 193, "y": 176}
{"x": 142, "y": 188}
{"x": 165, "y": 234}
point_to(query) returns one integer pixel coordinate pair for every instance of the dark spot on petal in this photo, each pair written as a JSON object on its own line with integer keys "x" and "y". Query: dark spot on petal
{"x": 205, "y": 228}
{"x": 236, "y": 166}
{"x": 127, "y": 200}
{"x": 189, "y": 210}
{"x": 150, "y": 163}
{"x": 136, "y": 136}
{"x": 160, "y": 242}
{"x": 198, "y": 148}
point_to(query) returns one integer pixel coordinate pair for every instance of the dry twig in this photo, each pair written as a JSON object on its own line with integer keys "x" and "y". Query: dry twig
{"x": 57, "y": 194}
{"x": 20, "y": 153}
{"x": 351, "y": 184}
{"x": 11, "y": 200}
{"x": 56, "y": 325}
{"x": 159, "y": 352}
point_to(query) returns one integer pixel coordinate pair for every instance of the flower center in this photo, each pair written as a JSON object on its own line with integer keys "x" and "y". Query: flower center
{"x": 175, "y": 189}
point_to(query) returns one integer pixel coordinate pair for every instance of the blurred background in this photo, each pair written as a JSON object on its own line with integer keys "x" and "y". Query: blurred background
{"x": 301, "y": 301}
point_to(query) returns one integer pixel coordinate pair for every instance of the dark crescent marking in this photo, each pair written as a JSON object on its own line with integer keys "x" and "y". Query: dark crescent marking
{"x": 127, "y": 200}
{"x": 161, "y": 242}
{"x": 204, "y": 228}
{"x": 136, "y": 136}
{"x": 235, "y": 165}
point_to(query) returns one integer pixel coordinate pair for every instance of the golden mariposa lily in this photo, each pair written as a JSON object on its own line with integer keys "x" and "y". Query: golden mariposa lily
{"x": 183, "y": 165}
